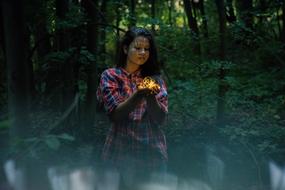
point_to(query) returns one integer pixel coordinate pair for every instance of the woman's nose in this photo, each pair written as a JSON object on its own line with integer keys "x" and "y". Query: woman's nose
{"x": 142, "y": 51}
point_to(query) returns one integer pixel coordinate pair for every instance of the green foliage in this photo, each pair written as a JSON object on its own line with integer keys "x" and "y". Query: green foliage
{"x": 253, "y": 106}
{"x": 58, "y": 56}
{"x": 74, "y": 18}
{"x": 265, "y": 140}
{"x": 53, "y": 142}
{"x": 40, "y": 147}
{"x": 5, "y": 124}
{"x": 190, "y": 105}
{"x": 175, "y": 45}
{"x": 86, "y": 57}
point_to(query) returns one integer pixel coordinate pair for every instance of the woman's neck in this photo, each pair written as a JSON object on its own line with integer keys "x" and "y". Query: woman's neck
{"x": 131, "y": 68}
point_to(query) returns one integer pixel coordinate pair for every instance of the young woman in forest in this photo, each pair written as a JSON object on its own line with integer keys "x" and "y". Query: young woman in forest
{"x": 137, "y": 110}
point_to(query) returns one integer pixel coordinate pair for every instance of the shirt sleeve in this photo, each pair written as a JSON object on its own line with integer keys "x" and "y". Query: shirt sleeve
{"x": 162, "y": 96}
{"x": 109, "y": 91}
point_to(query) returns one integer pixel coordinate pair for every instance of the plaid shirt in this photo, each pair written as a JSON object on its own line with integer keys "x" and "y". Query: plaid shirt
{"x": 138, "y": 140}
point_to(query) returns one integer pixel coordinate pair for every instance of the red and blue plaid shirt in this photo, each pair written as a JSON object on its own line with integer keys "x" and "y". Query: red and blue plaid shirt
{"x": 137, "y": 139}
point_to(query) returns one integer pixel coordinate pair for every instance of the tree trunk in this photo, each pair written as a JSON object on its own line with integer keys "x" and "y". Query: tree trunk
{"x": 67, "y": 68}
{"x": 18, "y": 68}
{"x": 222, "y": 27}
{"x": 118, "y": 20}
{"x": 41, "y": 34}
{"x": 92, "y": 73}
{"x": 62, "y": 34}
{"x": 152, "y": 12}
{"x": 2, "y": 63}
{"x": 16, "y": 43}
{"x": 170, "y": 9}
{"x": 102, "y": 48}
{"x": 283, "y": 22}
{"x": 42, "y": 41}
{"x": 221, "y": 75}
{"x": 262, "y": 8}
{"x": 204, "y": 19}
{"x": 133, "y": 19}
{"x": 2, "y": 47}
{"x": 192, "y": 23}
{"x": 230, "y": 14}
{"x": 245, "y": 12}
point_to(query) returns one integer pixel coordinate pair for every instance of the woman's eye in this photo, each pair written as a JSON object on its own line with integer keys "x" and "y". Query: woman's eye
{"x": 140, "y": 49}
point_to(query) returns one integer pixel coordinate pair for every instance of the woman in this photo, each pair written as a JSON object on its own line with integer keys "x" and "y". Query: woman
{"x": 135, "y": 141}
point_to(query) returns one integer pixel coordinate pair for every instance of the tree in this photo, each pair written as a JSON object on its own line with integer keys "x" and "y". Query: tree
{"x": 18, "y": 68}
{"x": 245, "y": 8}
{"x": 170, "y": 10}
{"x": 1, "y": 31}
{"x": 204, "y": 18}
{"x": 41, "y": 33}
{"x": 102, "y": 48}
{"x": 62, "y": 40}
{"x": 63, "y": 43}
{"x": 152, "y": 13}
{"x": 2, "y": 63}
{"x": 132, "y": 16}
{"x": 283, "y": 21}
{"x": 118, "y": 19}
{"x": 221, "y": 75}
{"x": 230, "y": 14}
{"x": 92, "y": 72}
{"x": 262, "y": 7}
{"x": 192, "y": 23}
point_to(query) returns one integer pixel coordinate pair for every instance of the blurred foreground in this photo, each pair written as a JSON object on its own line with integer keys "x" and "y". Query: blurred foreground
{"x": 215, "y": 175}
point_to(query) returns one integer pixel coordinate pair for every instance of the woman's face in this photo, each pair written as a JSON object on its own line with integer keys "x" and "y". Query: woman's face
{"x": 138, "y": 51}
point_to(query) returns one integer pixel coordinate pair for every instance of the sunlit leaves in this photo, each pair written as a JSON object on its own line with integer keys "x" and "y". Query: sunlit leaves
{"x": 52, "y": 142}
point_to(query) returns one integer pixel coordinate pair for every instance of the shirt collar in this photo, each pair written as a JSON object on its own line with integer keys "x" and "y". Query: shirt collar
{"x": 134, "y": 74}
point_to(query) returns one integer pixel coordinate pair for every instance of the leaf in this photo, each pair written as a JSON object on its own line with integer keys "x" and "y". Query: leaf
{"x": 33, "y": 139}
{"x": 67, "y": 137}
{"x": 52, "y": 142}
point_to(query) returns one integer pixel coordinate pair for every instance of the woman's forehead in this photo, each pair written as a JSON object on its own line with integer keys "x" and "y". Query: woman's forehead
{"x": 141, "y": 40}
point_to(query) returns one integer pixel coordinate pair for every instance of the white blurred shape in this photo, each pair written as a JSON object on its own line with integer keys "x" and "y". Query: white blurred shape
{"x": 215, "y": 168}
{"x": 155, "y": 186}
{"x": 78, "y": 179}
{"x": 277, "y": 177}
{"x": 193, "y": 184}
{"x": 161, "y": 181}
{"x": 109, "y": 180}
{"x": 10, "y": 171}
{"x": 15, "y": 176}
{"x": 172, "y": 183}
{"x": 82, "y": 179}
{"x": 59, "y": 179}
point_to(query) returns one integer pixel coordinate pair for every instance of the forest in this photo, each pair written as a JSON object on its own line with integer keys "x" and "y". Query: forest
{"x": 223, "y": 62}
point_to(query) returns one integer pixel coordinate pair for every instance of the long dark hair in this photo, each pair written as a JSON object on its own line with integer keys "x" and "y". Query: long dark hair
{"x": 151, "y": 66}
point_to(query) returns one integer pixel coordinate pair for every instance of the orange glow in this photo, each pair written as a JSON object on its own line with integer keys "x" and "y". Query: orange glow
{"x": 149, "y": 83}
